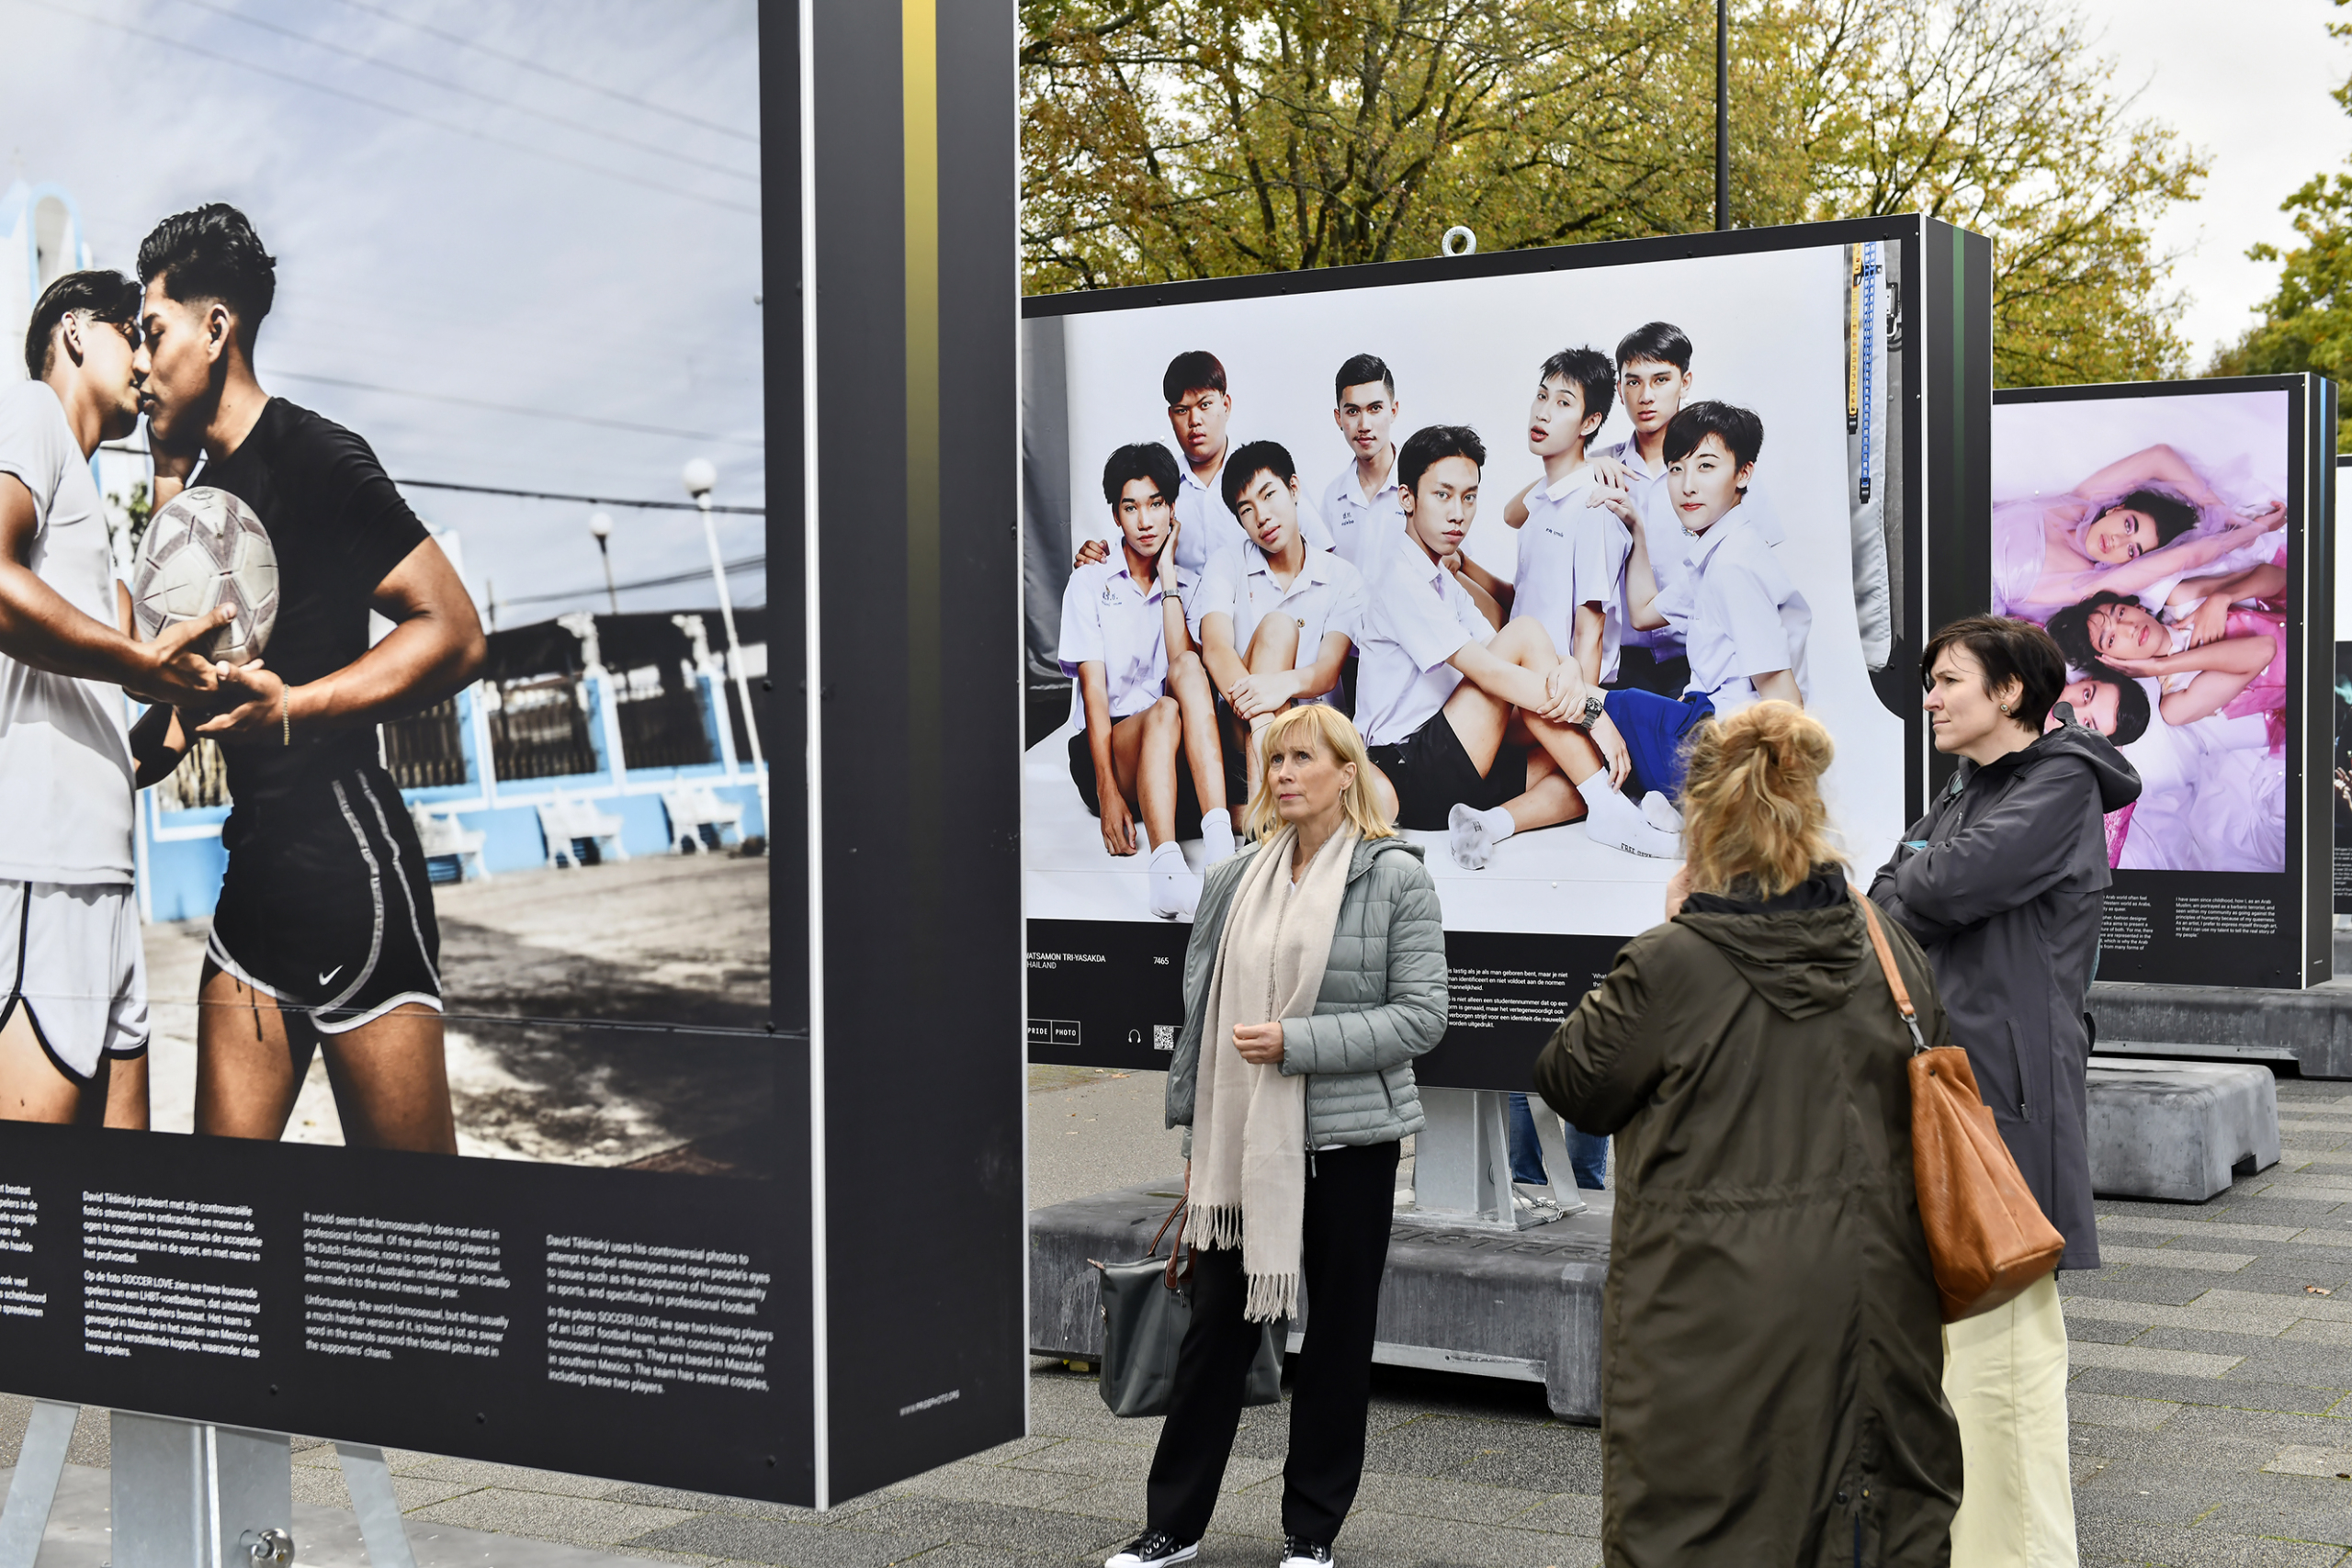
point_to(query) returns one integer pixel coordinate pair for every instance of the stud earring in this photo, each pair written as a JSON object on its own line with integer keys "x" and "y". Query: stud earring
{"x": 2008, "y": 712}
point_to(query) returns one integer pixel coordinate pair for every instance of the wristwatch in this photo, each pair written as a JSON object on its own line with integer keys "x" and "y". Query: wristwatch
{"x": 1593, "y": 708}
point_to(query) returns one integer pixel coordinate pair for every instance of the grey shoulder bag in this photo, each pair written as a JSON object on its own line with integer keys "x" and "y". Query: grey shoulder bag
{"x": 1146, "y": 1307}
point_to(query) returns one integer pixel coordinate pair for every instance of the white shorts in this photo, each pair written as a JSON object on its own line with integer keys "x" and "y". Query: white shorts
{"x": 71, "y": 957}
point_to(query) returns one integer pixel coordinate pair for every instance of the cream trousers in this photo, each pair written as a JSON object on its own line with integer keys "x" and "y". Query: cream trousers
{"x": 2005, "y": 1375}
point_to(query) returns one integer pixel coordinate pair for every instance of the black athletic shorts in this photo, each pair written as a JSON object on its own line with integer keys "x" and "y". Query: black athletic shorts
{"x": 325, "y": 904}
{"x": 1188, "y": 799}
{"x": 1431, "y": 775}
{"x": 1643, "y": 670}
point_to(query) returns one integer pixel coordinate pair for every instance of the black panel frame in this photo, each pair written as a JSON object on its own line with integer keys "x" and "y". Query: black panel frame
{"x": 1946, "y": 358}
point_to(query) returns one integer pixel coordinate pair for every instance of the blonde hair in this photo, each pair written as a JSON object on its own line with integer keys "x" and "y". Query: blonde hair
{"x": 1751, "y": 801}
{"x": 1339, "y": 739}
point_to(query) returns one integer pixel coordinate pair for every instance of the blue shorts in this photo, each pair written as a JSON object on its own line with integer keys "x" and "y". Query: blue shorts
{"x": 1656, "y": 730}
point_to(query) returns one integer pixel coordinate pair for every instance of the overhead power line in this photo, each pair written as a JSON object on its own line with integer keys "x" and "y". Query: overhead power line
{"x": 276, "y": 374}
{"x": 446, "y": 85}
{"x": 178, "y": 47}
{"x": 582, "y": 500}
{"x": 530, "y": 494}
{"x": 702, "y": 574}
{"x": 524, "y": 63}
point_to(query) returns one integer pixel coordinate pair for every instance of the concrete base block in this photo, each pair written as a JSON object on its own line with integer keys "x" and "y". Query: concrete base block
{"x": 1524, "y": 1306}
{"x": 2311, "y": 1028}
{"x": 2176, "y": 1130}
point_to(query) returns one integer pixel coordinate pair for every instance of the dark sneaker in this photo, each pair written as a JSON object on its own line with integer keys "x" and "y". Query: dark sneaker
{"x": 1300, "y": 1553}
{"x": 1155, "y": 1547}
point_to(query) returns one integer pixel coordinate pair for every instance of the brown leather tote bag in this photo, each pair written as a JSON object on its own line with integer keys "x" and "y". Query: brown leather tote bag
{"x": 1986, "y": 1236}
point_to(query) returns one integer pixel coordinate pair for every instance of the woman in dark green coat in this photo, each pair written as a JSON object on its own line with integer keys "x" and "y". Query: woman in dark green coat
{"x": 1771, "y": 1363}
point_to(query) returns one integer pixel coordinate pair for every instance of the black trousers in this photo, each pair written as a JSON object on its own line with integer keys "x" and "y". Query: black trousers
{"x": 1350, "y": 1198}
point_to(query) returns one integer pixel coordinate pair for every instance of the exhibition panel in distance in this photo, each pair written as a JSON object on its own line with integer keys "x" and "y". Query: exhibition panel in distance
{"x": 1861, "y": 349}
{"x": 667, "y": 863}
{"x": 2174, "y": 539}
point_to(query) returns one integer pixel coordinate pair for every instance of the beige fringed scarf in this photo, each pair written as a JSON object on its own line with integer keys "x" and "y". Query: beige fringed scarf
{"x": 1250, "y": 1122}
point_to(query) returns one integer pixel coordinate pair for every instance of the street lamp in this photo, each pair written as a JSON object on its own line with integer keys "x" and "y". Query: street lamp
{"x": 602, "y": 526}
{"x": 700, "y": 480}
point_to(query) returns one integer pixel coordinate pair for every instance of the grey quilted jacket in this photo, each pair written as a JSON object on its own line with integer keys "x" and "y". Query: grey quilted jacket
{"x": 1383, "y": 1001}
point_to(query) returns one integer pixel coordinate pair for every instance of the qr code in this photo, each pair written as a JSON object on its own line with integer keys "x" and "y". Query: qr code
{"x": 1163, "y": 1037}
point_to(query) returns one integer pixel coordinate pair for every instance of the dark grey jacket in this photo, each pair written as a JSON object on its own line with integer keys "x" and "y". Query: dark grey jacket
{"x": 2005, "y": 896}
{"x": 1382, "y": 1001}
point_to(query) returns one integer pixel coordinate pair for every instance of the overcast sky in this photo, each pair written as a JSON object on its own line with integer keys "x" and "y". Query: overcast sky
{"x": 533, "y": 230}
{"x": 2249, "y": 83}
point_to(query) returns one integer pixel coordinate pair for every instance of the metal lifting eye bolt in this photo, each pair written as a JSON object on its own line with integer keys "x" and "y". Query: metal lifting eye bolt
{"x": 1467, "y": 242}
{"x": 272, "y": 1546}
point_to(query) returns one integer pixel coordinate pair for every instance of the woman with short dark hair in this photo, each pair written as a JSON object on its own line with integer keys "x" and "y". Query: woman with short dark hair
{"x": 2002, "y": 882}
{"x": 1769, "y": 1357}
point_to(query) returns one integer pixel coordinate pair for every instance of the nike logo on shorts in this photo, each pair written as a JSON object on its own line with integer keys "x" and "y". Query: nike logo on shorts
{"x": 330, "y": 974}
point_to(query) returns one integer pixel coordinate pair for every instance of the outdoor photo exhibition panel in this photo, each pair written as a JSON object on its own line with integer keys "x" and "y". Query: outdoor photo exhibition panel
{"x": 2174, "y": 538}
{"x": 1858, "y": 352}
{"x": 632, "y": 909}
{"x": 2340, "y": 765}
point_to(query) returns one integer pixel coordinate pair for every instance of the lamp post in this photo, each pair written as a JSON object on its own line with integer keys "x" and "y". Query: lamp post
{"x": 601, "y": 528}
{"x": 700, "y": 480}
{"x": 1723, "y": 114}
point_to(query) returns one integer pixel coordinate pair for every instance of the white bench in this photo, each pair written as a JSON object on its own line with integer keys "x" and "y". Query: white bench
{"x": 565, "y": 822}
{"x": 696, "y": 808}
{"x": 442, "y": 834}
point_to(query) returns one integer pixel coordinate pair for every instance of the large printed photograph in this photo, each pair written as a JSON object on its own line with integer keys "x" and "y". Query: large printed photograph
{"x": 382, "y": 583}
{"x": 1527, "y": 530}
{"x": 2150, "y": 535}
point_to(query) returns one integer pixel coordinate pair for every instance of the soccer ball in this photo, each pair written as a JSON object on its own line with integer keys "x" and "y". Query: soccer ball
{"x": 208, "y": 548}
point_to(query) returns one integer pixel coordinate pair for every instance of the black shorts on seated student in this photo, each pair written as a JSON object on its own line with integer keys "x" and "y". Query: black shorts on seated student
{"x": 1188, "y": 799}
{"x": 1431, "y": 775}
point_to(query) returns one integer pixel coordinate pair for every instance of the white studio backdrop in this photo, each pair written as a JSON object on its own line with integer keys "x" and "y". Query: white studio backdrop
{"x": 1767, "y": 333}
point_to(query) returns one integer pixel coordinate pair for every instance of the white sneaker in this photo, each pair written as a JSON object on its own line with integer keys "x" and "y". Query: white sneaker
{"x": 1659, "y": 812}
{"x": 1298, "y": 1553}
{"x": 1155, "y": 1549}
{"x": 1467, "y": 835}
{"x": 1629, "y": 832}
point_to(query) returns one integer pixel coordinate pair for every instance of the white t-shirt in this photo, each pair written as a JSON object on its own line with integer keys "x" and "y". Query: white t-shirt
{"x": 66, "y": 779}
{"x": 1572, "y": 554}
{"x": 1110, "y": 618}
{"x": 1740, "y": 613}
{"x": 1357, "y": 521}
{"x": 1325, "y": 596}
{"x": 1416, "y": 617}
{"x": 1208, "y": 525}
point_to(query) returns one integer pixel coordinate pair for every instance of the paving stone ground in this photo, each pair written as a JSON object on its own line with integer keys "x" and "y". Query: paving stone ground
{"x": 2212, "y": 1401}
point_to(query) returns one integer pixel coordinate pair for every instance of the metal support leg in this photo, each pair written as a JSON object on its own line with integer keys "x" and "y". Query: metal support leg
{"x": 189, "y": 1496}
{"x": 1556, "y": 1166}
{"x": 1462, "y": 1160}
{"x": 34, "y": 1487}
{"x": 370, "y": 1481}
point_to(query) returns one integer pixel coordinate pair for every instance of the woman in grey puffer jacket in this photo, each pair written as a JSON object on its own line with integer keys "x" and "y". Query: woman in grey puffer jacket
{"x": 1378, "y": 1003}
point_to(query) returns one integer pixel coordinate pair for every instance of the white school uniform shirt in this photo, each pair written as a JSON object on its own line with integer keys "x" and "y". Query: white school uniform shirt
{"x": 1740, "y": 613}
{"x": 1107, "y": 615}
{"x": 1416, "y": 617}
{"x": 66, "y": 781}
{"x": 1572, "y": 554}
{"x": 1325, "y": 597}
{"x": 1209, "y": 527}
{"x": 1661, "y": 530}
{"x": 1358, "y": 523}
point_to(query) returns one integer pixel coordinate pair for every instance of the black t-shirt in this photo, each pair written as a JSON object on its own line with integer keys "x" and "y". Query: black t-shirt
{"x": 340, "y": 527}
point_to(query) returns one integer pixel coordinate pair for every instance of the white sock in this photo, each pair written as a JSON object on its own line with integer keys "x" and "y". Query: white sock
{"x": 1175, "y": 888}
{"x": 1611, "y": 819}
{"x": 1473, "y": 835}
{"x": 1217, "y": 835}
{"x": 1659, "y": 812}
